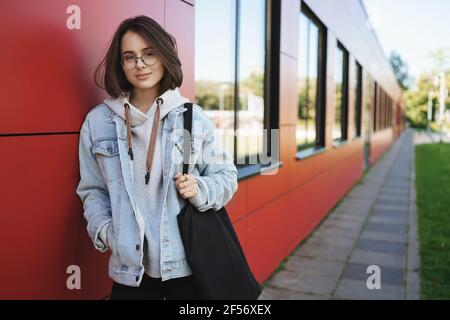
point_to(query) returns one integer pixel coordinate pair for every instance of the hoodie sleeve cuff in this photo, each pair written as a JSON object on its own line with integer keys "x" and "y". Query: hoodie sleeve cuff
{"x": 201, "y": 198}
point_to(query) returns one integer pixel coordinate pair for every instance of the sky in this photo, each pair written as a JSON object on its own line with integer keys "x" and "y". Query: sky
{"x": 413, "y": 28}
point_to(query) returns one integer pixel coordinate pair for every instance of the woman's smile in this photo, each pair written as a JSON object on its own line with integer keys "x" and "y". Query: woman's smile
{"x": 143, "y": 76}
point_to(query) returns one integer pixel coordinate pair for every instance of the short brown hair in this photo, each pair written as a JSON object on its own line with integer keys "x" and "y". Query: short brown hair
{"x": 109, "y": 74}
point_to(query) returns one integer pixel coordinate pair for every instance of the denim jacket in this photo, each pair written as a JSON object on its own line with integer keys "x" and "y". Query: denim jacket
{"x": 106, "y": 188}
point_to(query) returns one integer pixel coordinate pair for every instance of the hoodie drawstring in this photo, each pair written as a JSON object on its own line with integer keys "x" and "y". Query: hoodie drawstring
{"x": 127, "y": 121}
{"x": 151, "y": 147}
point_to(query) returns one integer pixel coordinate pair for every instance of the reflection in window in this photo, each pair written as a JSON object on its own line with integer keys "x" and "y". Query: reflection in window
{"x": 369, "y": 99}
{"x": 358, "y": 100}
{"x": 375, "y": 107}
{"x": 251, "y": 79}
{"x": 215, "y": 64}
{"x": 309, "y": 78}
{"x": 230, "y": 62}
{"x": 341, "y": 105}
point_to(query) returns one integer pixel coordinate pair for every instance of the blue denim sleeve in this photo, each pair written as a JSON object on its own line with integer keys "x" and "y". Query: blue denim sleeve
{"x": 218, "y": 174}
{"x": 92, "y": 190}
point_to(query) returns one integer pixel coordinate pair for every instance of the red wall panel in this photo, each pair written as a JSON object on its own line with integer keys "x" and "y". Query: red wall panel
{"x": 43, "y": 231}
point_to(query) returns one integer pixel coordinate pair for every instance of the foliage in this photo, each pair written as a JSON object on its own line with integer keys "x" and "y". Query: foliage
{"x": 416, "y": 99}
{"x": 401, "y": 70}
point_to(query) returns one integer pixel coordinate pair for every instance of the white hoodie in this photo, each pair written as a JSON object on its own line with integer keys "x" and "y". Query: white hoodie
{"x": 148, "y": 197}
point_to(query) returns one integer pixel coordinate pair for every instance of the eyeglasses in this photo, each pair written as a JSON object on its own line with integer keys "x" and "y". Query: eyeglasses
{"x": 129, "y": 60}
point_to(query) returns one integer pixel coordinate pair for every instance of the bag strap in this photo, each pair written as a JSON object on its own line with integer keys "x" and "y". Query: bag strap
{"x": 187, "y": 137}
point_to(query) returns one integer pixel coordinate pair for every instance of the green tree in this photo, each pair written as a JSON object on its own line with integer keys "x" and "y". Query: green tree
{"x": 400, "y": 70}
{"x": 416, "y": 99}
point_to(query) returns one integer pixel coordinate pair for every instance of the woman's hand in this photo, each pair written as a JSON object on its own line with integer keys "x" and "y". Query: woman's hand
{"x": 186, "y": 184}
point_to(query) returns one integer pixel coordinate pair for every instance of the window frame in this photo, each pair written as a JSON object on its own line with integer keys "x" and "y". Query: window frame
{"x": 271, "y": 88}
{"x": 345, "y": 94}
{"x": 358, "y": 100}
{"x": 375, "y": 107}
{"x": 320, "y": 120}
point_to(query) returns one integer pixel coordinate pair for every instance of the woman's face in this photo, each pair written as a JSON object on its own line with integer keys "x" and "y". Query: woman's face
{"x": 140, "y": 75}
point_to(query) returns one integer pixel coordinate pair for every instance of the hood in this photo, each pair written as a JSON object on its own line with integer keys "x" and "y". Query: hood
{"x": 169, "y": 100}
{"x": 172, "y": 99}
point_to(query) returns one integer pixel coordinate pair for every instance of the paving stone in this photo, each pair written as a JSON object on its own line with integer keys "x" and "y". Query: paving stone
{"x": 404, "y": 199}
{"x": 378, "y": 258}
{"x": 345, "y": 242}
{"x": 270, "y": 293}
{"x": 303, "y": 282}
{"x": 388, "y": 219}
{"x": 347, "y": 216}
{"x": 388, "y": 275}
{"x": 390, "y": 210}
{"x": 336, "y": 232}
{"x": 315, "y": 266}
{"x": 397, "y": 185}
{"x": 392, "y": 202}
{"x": 396, "y": 191}
{"x": 343, "y": 224}
{"x": 357, "y": 290}
{"x": 324, "y": 252}
{"x": 352, "y": 215}
{"x": 382, "y": 246}
{"x": 386, "y": 227}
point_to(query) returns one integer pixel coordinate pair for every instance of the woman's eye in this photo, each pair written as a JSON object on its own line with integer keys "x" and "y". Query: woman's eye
{"x": 149, "y": 54}
{"x": 129, "y": 58}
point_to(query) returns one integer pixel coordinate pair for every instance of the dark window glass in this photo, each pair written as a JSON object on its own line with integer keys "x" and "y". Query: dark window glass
{"x": 375, "y": 107}
{"x": 369, "y": 98}
{"x": 358, "y": 100}
{"x": 341, "y": 100}
{"x": 230, "y": 73}
{"x": 311, "y": 65}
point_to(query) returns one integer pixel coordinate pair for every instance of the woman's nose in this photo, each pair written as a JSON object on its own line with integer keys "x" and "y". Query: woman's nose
{"x": 140, "y": 64}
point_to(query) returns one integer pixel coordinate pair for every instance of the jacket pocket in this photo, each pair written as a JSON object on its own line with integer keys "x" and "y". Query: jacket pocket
{"x": 106, "y": 151}
{"x": 196, "y": 143}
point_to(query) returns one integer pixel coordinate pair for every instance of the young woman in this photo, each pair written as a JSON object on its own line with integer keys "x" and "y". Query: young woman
{"x": 130, "y": 153}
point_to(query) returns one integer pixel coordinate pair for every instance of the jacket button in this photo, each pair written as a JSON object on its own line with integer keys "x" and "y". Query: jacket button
{"x": 138, "y": 247}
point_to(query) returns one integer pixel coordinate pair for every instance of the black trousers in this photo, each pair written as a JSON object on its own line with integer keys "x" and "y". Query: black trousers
{"x": 154, "y": 289}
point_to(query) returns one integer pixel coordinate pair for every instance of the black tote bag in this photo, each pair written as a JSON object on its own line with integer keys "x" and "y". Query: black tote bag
{"x": 212, "y": 248}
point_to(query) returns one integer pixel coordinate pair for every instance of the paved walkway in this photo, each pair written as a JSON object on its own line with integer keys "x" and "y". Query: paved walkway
{"x": 423, "y": 136}
{"x": 375, "y": 224}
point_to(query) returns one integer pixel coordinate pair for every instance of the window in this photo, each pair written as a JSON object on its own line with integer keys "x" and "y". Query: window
{"x": 369, "y": 99}
{"x": 341, "y": 105}
{"x": 234, "y": 73}
{"x": 311, "y": 82}
{"x": 381, "y": 119}
{"x": 390, "y": 113}
{"x": 251, "y": 72}
{"x": 375, "y": 107}
{"x": 379, "y": 104}
{"x": 383, "y": 110}
{"x": 358, "y": 100}
{"x": 215, "y": 82}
